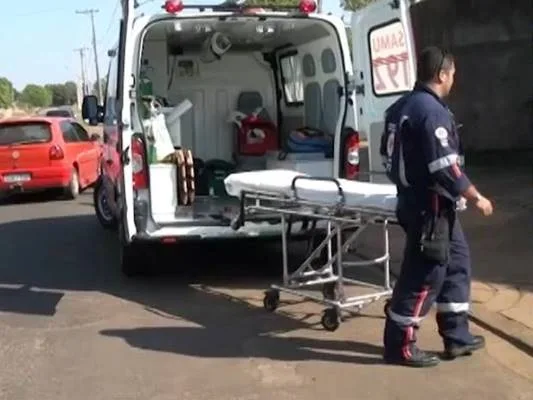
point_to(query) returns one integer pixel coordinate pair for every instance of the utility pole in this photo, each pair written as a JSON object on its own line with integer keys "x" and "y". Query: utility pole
{"x": 82, "y": 51}
{"x": 91, "y": 12}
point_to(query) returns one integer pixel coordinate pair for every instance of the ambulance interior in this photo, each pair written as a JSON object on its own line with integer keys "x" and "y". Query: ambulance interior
{"x": 206, "y": 74}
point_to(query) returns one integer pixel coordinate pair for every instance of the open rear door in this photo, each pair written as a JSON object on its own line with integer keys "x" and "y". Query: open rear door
{"x": 125, "y": 84}
{"x": 384, "y": 66}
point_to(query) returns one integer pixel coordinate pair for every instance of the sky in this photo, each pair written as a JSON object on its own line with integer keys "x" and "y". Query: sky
{"x": 38, "y": 39}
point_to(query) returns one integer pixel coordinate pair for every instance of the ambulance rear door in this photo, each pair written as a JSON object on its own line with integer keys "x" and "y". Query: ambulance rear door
{"x": 384, "y": 66}
{"x": 126, "y": 105}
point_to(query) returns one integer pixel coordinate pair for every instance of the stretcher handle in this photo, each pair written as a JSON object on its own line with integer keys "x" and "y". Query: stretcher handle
{"x": 340, "y": 192}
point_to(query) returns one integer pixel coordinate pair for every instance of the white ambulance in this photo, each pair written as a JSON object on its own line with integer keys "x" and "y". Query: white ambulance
{"x": 199, "y": 66}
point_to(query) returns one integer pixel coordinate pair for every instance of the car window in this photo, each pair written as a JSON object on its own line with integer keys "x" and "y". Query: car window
{"x": 69, "y": 132}
{"x": 24, "y": 133}
{"x": 81, "y": 132}
{"x": 59, "y": 113}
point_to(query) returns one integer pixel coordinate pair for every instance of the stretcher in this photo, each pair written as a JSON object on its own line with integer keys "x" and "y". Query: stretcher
{"x": 346, "y": 208}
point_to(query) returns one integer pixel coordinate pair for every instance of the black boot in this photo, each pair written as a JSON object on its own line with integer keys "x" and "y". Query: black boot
{"x": 417, "y": 358}
{"x": 454, "y": 350}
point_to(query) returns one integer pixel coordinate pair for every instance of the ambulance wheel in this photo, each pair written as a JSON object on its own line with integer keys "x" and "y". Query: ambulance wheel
{"x": 103, "y": 211}
{"x": 330, "y": 291}
{"x": 330, "y": 319}
{"x": 271, "y": 300}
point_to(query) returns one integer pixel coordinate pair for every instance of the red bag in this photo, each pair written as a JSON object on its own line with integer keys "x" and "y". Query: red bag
{"x": 256, "y": 136}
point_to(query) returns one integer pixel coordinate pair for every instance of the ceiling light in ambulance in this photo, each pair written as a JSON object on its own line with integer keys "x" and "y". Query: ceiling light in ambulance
{"x": 202, "y": 28}
{"x": 266, "y": 29}
{"x": 288, "y": 26}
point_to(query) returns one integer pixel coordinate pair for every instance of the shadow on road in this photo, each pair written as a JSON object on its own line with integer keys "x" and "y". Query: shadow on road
{"x": 225, "y": 342}
{"x": 43, "y": 258}
{"x": 29, "y": 198}
{"x": 23, "y": 300}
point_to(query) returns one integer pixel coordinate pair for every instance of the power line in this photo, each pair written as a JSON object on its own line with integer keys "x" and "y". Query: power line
{"x": 91, "y": 12}
{"x": 103, "y": 40}
{"x": 112, "y": 19}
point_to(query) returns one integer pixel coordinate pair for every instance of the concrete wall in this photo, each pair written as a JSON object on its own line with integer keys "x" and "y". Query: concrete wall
{"x": 492, "y": 42}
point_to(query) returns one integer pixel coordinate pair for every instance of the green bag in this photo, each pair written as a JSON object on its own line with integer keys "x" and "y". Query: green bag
{"x": 217, "y": 171}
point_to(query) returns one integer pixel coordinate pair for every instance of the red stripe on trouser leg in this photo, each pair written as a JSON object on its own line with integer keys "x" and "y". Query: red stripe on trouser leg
{"x": 406, "y": 351}
{"x": 456, "y": 170}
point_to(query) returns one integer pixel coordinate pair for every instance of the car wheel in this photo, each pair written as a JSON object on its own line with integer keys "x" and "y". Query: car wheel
{"x": 103, "y": 211}
{"x": 73, "y": 189}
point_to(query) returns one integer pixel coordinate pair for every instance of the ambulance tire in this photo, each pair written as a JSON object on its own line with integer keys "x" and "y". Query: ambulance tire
{"x": 101, "y": 208}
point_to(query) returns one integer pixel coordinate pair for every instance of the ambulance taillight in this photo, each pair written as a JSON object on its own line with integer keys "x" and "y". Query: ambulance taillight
{"x": 351, "y": 154}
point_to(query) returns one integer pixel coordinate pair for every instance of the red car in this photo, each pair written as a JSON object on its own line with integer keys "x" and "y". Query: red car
{"x": 38, "y": 153}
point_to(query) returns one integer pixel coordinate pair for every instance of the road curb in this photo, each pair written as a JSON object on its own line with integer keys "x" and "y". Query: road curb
{"x": 512, "y": 331}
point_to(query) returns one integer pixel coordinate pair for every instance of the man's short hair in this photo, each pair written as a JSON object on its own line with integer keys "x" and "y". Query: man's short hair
{"x": 431, "y": 61}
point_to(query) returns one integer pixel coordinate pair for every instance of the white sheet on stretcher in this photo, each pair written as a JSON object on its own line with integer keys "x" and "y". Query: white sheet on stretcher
{"x": 278, "y": 182}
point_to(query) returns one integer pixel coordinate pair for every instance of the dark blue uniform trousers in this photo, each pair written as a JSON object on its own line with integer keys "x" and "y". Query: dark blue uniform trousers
{"x": 422, "y": 283}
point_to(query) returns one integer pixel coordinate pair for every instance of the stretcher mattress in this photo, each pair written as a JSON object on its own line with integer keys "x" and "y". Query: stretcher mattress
{"x": 279, "y": 183}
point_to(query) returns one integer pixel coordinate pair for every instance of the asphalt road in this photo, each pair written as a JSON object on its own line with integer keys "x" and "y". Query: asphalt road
{"x": 71, "y": 327}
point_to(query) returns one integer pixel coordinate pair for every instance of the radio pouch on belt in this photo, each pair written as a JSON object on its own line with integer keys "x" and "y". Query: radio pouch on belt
{"x": 435, "y": 238}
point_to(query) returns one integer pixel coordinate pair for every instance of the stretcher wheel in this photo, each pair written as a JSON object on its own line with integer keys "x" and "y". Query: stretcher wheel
{"x": 330, "y": 319}
{"x": 271, "y": 300}
{"x": 330, "y": 290}
{"x": 386, "y": 307}
{"x": 235, "y": 224}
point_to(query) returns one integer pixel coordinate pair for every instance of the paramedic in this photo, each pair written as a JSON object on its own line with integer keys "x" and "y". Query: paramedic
{"x": 421, "y": 148}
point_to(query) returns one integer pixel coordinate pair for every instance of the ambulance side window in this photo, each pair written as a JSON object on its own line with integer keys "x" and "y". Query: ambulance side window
{"x": 389, "y": 59}
{"x": 292, "y": 79}
{"x": 111, "y": 93}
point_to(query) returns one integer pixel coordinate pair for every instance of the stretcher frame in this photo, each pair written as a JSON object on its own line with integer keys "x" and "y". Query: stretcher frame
{"x": 340, "y": 219}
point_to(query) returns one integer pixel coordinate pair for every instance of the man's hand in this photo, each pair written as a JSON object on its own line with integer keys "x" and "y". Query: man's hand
{"x": 484, "y": 205}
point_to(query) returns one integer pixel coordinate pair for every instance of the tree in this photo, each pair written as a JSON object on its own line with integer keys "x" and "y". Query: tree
{"x": 353, "y": 5}
{"x": 71, "y": 92}
{"x": 58, "y": 93}
{"x": 7, "y": 93}
{"x": 36, "y": 96}
{"x": 62, "y": 94}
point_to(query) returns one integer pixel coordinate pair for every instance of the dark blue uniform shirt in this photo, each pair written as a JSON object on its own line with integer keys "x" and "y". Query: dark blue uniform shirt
{"x": 420, "y": 146}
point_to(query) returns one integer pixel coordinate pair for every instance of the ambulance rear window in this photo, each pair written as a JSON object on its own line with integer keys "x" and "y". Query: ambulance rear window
{"x": 389, "y": 58}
